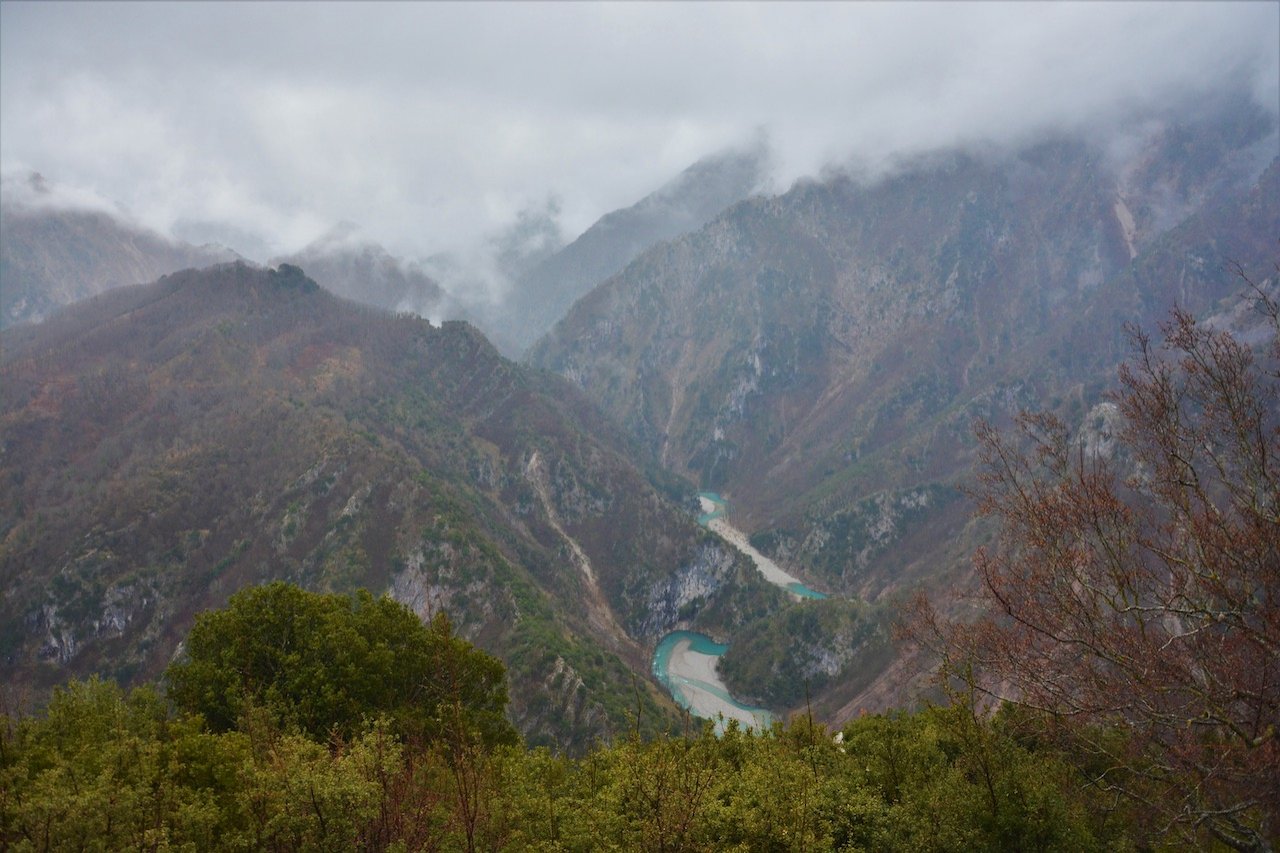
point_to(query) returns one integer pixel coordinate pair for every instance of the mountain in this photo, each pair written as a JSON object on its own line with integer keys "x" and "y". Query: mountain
{"x": 249, "y": 245}
{"x": 543, "y": 294}
{"x": 165, "y": 445}
{"x": 352, "y": 266}
{"x": 52, "y": 256}
{"x": 820, "y": 357}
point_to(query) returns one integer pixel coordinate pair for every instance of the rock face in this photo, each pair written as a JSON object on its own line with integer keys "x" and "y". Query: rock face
{"x": 821, "y": 356}
{"x": 671, "y": 600}
{"x": 543, "y": 294}
{"x": 165, "y": 445}
{"x": 50, "y": 257}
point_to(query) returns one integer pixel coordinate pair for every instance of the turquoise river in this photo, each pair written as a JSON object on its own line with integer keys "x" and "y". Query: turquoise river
{"x": 685, "y": 661}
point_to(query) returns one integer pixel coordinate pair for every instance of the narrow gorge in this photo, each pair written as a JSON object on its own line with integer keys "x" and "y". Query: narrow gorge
{"x": 685, "y": 662}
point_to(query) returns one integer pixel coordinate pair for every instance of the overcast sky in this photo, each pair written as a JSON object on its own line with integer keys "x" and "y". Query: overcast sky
{"x": 432, "y": 124}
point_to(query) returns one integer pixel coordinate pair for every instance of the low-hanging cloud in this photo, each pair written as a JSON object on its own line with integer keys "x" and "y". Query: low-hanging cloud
{"x": 436, "y": 125}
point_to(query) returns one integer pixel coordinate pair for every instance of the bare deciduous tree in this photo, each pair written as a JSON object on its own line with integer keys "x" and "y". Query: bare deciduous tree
{"x": 1134, "y": 597}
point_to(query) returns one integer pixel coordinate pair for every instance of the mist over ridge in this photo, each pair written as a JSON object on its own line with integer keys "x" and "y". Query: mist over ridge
{"x": 438, "y": 127}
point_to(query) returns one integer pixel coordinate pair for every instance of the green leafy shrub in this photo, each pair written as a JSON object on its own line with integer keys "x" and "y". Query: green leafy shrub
{"x": 327, "y": 664}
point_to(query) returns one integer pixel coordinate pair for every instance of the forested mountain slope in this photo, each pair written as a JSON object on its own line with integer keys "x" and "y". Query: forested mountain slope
{"x": 165, "y": 445}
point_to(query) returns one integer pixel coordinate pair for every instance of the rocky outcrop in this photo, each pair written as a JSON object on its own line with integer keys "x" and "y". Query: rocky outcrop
{"x": 672, "y": 602}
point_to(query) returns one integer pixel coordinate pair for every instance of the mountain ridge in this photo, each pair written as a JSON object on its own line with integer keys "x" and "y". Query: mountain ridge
{"x": 819, "y": 356}
{"x": 167, "y": 444}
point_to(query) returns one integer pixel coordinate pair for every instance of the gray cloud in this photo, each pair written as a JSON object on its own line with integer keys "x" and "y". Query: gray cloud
{"x": 436, "y": 125}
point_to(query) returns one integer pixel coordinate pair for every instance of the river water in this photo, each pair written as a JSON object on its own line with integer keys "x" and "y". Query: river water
{"x": 685, "y": 661}
{"x": 713, "y": 517}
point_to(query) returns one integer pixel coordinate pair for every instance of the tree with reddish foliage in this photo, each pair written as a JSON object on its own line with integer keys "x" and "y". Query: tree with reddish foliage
{"x": 1133, "y": 600}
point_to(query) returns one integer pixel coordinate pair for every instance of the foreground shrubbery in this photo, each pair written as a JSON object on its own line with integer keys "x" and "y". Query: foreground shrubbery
{"x": 309, "y": 722}
{"x": 102, "y": 769}
{"x": 324, "y": 664}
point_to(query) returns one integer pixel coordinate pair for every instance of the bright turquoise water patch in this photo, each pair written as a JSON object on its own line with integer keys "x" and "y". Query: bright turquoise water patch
{"x": 676, "y": 685}
{"x": 803, "y": 591}
{"x": 717, "y": 511}
{"x": 700, "y": 643}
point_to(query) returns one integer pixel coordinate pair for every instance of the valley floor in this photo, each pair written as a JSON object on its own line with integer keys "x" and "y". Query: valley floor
{"x": 772, "y": 572}
{"x": 690, "y": 667}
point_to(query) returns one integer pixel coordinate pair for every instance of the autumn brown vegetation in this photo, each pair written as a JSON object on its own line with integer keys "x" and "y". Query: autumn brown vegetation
{"x": 1133, "y": 598}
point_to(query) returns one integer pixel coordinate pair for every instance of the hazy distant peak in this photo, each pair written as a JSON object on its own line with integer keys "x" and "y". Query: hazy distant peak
{"x": 29, "y": 190}
{"x": 543, "y": 293}
{"x": 345, "y": 236}
{"x": 534, "y": 236}
{"x": 57, "y": 250}
{"x": 726, "y": 172}
{"x": 346, "y": 261}
{"x": 221, "y": 248}
{"x": 246, "y": 243}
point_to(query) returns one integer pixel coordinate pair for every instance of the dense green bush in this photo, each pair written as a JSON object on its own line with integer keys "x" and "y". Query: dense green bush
{"x": 342, "y": 723}
{"x": 102, "y": 770}
{"x": 326, "y": 664}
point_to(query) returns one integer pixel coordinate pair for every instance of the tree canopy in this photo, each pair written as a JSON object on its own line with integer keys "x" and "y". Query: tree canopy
{"x": 328, "y": 664}
{"x": 1135, "y": 595}
{"x": 106, "y": 770}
